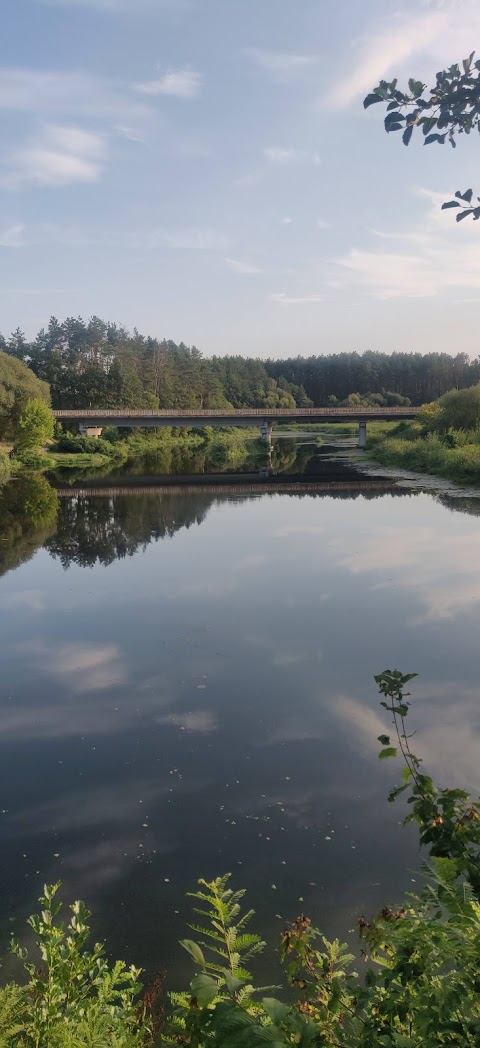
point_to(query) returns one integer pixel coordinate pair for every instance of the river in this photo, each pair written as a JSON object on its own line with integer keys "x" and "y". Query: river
{"x": 187, "y": 690}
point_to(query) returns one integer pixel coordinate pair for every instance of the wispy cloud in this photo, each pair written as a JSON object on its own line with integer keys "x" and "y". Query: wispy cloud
{"x": 286, "y": 220}
{"x": 59, "y": 156}
{"x": 245, "y": 268}
{"x": 78, "y": 94}
{"x": 294, "y": 300}
{"x": 438, "y": 32}
{"x": 417, "y": 263}
{"x": 321, "y": 224}
{"x": 280, "y": 65}
{"x": 179, "y": 83}
{"x": 284, "y": 157}
{"x": 14, "y": 236}
{"x": 384, "y": 49}
{"x": 188, "y": 239}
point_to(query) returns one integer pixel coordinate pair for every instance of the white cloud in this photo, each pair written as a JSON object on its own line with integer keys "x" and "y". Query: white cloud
{"x": 283, "y": 157}
{"x": 243, "y": 267}
{"x": 286, "y": 221}
{"x": 440, "y": 33}
{"x": 416, "y": 558}
{"x": 322, "y": 225}
{"x": 60, "y": 156}
{"x": 294, "y": 300}
{"x": 420, "y": 262}
{"x": 188, "y": 239}
{"x": 78, "y": 94}
{"x": 14, "y": 236}
{"x": 385, "y": 49}
{"x": 83, "y": 667}
{"x": 280, "y": 65}
{"x": 180, "y": 83}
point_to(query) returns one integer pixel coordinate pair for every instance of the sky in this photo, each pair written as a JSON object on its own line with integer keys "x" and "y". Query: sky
{"x": 204, "y": 170}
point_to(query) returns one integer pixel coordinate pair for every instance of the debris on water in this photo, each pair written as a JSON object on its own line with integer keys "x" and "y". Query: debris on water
{"x": 328, "y": 838}
{"x": 274, "y": 886}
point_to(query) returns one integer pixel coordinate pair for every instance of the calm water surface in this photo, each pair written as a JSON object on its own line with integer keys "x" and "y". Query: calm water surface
{"x": 187, "y": 690}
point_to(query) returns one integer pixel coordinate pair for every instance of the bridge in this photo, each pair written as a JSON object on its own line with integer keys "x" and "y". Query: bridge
{"x": 92, "y": 421}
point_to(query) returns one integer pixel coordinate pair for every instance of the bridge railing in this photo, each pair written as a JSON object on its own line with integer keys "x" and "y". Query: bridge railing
{"x": 83, "y": 413}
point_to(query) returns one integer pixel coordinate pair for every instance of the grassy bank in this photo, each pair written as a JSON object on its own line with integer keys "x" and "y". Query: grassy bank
{"x": 73, "y": 452}
{"x": 454, "y": 455}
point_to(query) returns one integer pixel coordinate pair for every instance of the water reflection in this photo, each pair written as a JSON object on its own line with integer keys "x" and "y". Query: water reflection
{"x": 200, "y": 699}
{"x": 28, "y": 511}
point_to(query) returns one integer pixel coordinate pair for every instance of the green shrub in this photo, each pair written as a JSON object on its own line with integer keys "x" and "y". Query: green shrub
{"x": 74, "y": 998}
{"x": 77, "y": 445}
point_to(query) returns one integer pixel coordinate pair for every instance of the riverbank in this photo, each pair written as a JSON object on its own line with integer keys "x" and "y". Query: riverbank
{"x": 409, "y": 447}
{"x": 112, "y": 451}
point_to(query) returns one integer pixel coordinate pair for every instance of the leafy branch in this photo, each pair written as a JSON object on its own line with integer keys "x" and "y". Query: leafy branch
{"x": 448, "y": 819}
{"x": 450, "y": 108}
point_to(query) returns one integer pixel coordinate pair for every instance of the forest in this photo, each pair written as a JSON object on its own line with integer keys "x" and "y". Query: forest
{"x": 96, "y": 363}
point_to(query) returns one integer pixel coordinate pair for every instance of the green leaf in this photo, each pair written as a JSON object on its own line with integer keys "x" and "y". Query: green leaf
{"x": 370, "y": 100}
{"x": 463, "y": 214}
{"x": 204, "y": 988}
{"x": 194, "y": 950}
{"x": 392, "y": 796}
{"x": 384, "y": 739}
{"x": 275, "y": 1010}
{"x": 416, "y": 87}
{"x": 467, "y": 196}
{"x": 450, "y": 203}
{"x": 389, "y": 752}
{"x": 233, "y": 985}
{"x": 407, "y": 134}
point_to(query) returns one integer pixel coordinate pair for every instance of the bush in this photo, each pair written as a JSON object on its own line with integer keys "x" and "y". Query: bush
{"x": 459, "y": 409}
{"x": 76, "y": 445}
{"x": 74, "y": 998}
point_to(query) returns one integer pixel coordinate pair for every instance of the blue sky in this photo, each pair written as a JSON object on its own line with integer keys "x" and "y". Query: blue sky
{"x": 204, "y": 170}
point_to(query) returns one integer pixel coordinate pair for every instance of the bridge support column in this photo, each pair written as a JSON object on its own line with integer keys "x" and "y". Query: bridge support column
{"x": 362, "y": 434}
{"x": 266, "y": 431}
{"x": 90, "y": 431}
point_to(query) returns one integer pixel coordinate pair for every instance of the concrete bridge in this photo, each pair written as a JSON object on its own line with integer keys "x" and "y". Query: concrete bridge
{"x": 92, "y": 421}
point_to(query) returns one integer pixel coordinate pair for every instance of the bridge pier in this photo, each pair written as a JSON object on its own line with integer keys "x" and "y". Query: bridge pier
{"x": 362, "y": 434}
{"x": 90, "y": 431}
{"x": 266, "y": 431}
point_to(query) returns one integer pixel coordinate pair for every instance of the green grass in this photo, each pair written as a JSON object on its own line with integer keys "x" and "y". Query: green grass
{"x": 429, "y": 454}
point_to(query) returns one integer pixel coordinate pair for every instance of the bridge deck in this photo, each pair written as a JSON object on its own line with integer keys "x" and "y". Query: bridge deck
{"x": 230, "y": 417}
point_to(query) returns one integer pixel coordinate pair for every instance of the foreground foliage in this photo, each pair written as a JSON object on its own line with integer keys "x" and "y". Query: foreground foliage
{"x": 450, "y": 108}
{"x": 418, "y": 987}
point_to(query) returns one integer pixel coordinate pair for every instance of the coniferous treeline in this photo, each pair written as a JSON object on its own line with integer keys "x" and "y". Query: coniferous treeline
{"x": 100, "y": 364}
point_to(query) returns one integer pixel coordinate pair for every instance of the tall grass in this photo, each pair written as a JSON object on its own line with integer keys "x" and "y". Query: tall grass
{"x": 431, "y": 454}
